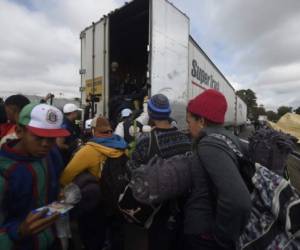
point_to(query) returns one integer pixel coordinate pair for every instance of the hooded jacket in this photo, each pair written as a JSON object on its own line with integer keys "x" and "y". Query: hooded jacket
{"x": 91, "y": 157}
{"x": 219, "y": 202}
{"x": 26, "y": 183}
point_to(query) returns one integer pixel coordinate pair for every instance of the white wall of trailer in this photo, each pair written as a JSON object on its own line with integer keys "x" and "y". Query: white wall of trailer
{"x": 241, "y": 112}
{"x": 169, "y": 50}
{"x": 169, "y": 55}
{"x": 94, "y": 43}
{"x": 203, "y": 75}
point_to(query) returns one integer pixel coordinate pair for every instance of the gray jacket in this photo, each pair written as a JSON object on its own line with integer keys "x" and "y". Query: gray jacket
{"x": 219, "y": 203}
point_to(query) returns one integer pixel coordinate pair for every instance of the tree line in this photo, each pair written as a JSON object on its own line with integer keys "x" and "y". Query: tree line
{"x": 254, "y": 110}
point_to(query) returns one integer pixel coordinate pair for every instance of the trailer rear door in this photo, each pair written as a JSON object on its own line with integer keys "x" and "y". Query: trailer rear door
{"x": 169, "y": 50}
{"x": 169, "y": 40}
{"x": 93, "y": 65}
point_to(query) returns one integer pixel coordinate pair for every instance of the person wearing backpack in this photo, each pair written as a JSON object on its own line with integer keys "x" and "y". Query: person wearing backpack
{"x": 164, "y": 140}
{"x": 219, "y": 204}
{"x": 123, "y": 126}
{"x": 87, "y": 165}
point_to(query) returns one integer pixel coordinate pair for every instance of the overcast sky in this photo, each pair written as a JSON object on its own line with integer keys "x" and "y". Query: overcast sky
{"x": 256, "y": 44}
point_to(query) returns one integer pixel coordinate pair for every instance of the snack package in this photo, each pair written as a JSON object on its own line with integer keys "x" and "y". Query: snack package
{"x": 59, "y": 207}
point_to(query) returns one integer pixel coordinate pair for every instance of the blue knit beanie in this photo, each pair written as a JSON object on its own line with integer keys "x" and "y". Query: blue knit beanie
{"x": 159, "y": 107}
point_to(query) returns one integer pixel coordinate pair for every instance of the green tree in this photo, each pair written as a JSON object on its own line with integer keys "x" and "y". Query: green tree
{"x": 272, "y": 116}
{"x": 282, "y": 110}
{"x": 297, "y": 110}
{"x": 249, "y": 97}
{"x": 257, "y": 111}
{"x": 261, "y": 110}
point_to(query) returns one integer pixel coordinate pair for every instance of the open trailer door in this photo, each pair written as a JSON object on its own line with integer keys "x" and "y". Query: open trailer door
{"x": 128, "y": 47}
{"x": 169, "y": 54}
{"x": 94, "y": 67}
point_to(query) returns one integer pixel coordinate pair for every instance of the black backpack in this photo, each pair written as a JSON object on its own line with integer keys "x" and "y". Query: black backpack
{"x": 113, "y": 181}
{"x": 90, "y": 193}
{"x": 271, "y": 148}
{"x": 133, "y": 210}
{"x": 143, "y": 214}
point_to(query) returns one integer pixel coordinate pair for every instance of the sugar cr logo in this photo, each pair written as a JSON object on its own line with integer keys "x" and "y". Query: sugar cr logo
{"x": 203, "y": 76}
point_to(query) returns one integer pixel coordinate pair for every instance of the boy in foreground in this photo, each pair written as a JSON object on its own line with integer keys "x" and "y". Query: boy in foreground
{"x": 29, "y": 172}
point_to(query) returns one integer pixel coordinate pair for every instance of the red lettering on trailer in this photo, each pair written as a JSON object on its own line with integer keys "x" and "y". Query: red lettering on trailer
{"x": 198, "y": 85}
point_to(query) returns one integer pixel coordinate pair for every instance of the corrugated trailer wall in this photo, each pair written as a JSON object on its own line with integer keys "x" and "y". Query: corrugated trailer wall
{"x": 93, "y": 43}
{"x": 169, "y": 56}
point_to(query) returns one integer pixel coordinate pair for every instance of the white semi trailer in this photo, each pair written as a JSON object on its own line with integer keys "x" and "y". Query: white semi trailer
{"x": 151, "y": 43}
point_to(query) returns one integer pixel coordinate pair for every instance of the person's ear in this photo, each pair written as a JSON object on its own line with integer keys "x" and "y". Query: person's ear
{"x": 20, "y": 131}
{"x": 201, "y": 123}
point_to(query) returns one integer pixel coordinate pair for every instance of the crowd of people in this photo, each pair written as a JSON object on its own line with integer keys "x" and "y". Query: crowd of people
{"x": 43, "y": 152}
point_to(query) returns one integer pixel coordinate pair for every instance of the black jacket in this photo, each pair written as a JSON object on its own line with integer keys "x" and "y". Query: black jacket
{"x": 219, "y": 203}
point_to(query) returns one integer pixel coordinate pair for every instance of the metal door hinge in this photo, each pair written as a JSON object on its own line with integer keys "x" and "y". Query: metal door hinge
{"x": 82, "y": 35}
{"x": 82, "y": 71}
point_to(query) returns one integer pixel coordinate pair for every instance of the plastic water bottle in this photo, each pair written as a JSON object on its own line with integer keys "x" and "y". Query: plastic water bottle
{"x": 72, "y": 194}
{"x": 63, "y": 230}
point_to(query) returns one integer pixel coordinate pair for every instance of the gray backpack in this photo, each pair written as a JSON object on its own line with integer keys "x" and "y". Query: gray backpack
{"x": 274, "y": 221}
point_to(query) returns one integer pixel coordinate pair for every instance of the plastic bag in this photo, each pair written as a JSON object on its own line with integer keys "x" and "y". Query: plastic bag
{"x": 72, "y": 194}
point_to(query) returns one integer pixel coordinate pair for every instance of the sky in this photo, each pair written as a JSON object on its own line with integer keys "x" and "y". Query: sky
{"x": 256, "y": 44}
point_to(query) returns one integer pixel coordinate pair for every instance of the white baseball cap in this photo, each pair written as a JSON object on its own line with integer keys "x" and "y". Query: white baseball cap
{"x": 70, "y": 107}
{"x": 43, "y": 120}
{"x": 126, "y": 112}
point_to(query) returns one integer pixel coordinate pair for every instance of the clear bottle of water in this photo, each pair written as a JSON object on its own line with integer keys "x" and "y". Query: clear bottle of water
{"x": 72, "y": 194}
{"x": 63, "y": 230}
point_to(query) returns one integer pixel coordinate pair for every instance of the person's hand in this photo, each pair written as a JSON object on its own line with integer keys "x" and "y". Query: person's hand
{"x": 48, "y": 96}
{"x": 36, "y": 222}
{"x": 61, "y": 196}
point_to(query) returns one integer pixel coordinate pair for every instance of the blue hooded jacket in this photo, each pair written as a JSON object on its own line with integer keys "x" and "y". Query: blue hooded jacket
{"x": 115, "y": 141}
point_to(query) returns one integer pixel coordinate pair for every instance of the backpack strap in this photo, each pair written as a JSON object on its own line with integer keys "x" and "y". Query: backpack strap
{"x": 153, "y": 148}
{"x": 245, "y": 166}
{"x": 137, "y": 128}
{"x": 229, "y": 143}
{"x": 126, "y": 125}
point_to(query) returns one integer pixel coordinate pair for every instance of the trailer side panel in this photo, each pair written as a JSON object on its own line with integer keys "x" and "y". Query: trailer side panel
{"x": 204, "y": 75}
{"x": 92, "y": 64}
